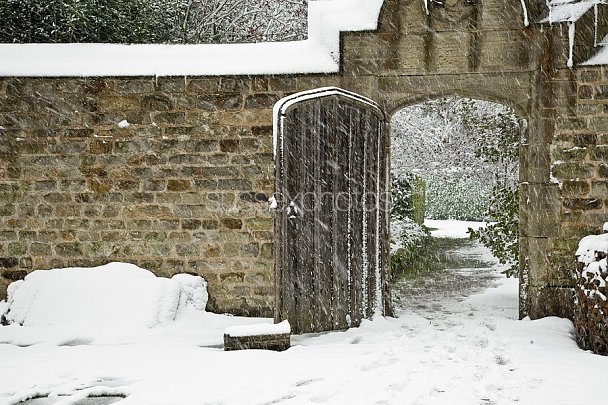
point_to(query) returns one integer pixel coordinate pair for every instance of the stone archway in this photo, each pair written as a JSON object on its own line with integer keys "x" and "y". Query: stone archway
{"x": 428, "y": 139}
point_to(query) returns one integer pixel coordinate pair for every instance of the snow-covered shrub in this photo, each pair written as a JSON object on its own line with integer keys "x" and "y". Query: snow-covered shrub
{"x": 462, "y": 199}
{"x": 152, "y": 21}
{"x": 54, "y": 21}
{"x": 221, "y": 21}
{"x": 502, "y": 235}
{"x": 408, "y": 198}
{"x": 591, "y": 303}
{"x": 408, "y": 242}
{"x": 116, "y": 295}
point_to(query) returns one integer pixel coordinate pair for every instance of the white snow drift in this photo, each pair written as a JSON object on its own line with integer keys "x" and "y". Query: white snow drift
{"x": 116, "y": 295}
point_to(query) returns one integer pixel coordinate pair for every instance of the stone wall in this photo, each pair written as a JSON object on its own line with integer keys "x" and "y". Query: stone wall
{"x": 184, "y": 187}
{"x": 577, "y": 201}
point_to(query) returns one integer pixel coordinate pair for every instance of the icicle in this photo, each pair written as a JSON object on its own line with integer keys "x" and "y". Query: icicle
{"x": 349, "y": 231}
{"x": 595, "y": 25}
{"x": 378, "y": 286}
{"x": 364, "y": 258}
{"x": 426, "y": 6}
{"x": 525, "y": 10}
{"x": 571, "y": 32}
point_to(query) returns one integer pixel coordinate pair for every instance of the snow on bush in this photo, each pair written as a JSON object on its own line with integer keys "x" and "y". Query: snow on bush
{"x": 405, "y": 233}
{"x": 116, "y": 295}
{"x": 460, "y": 199}
{"x": 152, "y": 21}
{"x": 460, "y": 147}
{"x": 408, "y": 242}
{"x": 319, "y": 53}
{"x": 593, "y": 269}
{"x": 591, "y": 304}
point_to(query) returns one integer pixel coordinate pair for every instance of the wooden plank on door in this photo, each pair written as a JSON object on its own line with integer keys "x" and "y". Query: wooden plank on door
{"x": 325, "y": 221}
{"x": 356, "y": 166}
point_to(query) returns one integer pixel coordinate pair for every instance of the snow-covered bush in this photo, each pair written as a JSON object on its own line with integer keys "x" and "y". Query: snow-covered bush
{"x": 152, "y": 21}
{"x": 408, "y": 242}
{"x": 502, "y": 235}
{"x": 408, "y": 198}
{"x": 591, "y": 303}
{"x": 54, "y": 21}
{"x": 116, "y": 295}
{"x": 222, "y": 21}
{"x": 462, "y": 199}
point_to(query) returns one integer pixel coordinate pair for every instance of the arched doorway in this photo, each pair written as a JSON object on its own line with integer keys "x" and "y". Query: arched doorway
{"x": 456, "y": 158}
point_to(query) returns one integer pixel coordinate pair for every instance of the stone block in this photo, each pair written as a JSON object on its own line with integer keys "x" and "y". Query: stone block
{"x": 232, "y": 223}
{"x": 575, "y": 188}
{"x": 550, "y": 301}
{"x": 219, "y": 102}
{"x": 599, "y": 189}
{"x": 156, "y": 102}
{"x": 583, "y": 203}
{"x": 250, "y": 250}
{"x": 573, "y": 170}
{"x": 99, "y": 146}
{"x": 14, "y": 275}
{"x": 278, "y": 342}
{"x": 71, "y": 249}
{"x": 134, "y": 86}
{"x": 450, "y": 52}
{"x": 202, "y": 85}
{"x": 7, "y": 210}
{"x": 232, "y": 277}
{"x": 8, "y": 262}
{"x": 170, "y": 84}
{"x": 261, "y": 101}
{"x": 178, "y": 185}
{"x": 171, "y": 118}
{"x": 118, "y": 103}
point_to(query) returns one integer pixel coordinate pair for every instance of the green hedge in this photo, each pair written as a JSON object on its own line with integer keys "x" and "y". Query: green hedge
{"x": 151, "y": 21}
{"x": 63, "y": 21}
{"x": 464, "y": 199}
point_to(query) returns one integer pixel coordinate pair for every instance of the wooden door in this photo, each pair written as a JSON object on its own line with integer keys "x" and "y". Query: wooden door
{"x": 331, "y": 210}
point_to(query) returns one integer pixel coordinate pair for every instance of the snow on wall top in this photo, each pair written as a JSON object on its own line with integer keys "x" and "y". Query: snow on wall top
{"x": 601, "y": 57}
{"x": 568, "y": 10}
{"x": 318, "y": 54}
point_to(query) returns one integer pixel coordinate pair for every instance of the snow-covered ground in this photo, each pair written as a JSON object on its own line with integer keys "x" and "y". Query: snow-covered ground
{"x": 471, "y": 351}
{"x": 451, "y": 229}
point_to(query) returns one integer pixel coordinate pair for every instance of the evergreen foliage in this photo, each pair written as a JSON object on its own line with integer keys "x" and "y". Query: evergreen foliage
{"x": 467, "y": 151}
{"x": 151, "y": 21}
